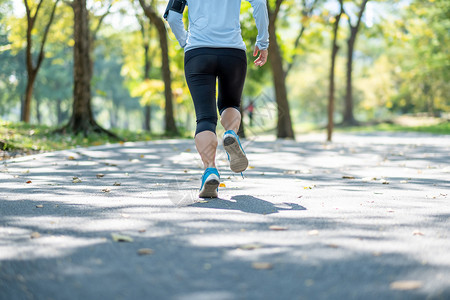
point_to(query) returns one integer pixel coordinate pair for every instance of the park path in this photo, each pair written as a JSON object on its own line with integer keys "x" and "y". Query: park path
{"x": 367, "y": 217}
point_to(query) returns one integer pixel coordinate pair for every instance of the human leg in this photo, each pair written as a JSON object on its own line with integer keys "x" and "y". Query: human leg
{"x": 201, "y": 79}
{"x": 232, "y": 73}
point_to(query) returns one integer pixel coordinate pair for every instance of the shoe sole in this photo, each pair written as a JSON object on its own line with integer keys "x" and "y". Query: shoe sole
{"x": 210, "y": 189}
{"x": 238, "y": 159}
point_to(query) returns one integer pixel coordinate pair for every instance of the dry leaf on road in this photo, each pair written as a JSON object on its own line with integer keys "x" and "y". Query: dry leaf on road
{"x": 277, "y": 228}
{"x": 250, "y": 246}
{"x": 262, "y": 266}
{"x": 121, "y": 238}
{"x": 145, "y": 251}
{"x": 35, "y": 235}
{"x": 405, "y": 285}
{"x": 100, "y": 175}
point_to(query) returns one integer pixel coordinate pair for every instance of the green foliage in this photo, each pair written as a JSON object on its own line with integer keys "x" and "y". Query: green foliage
{"x": 402, "y": 62}
{"x": 24, "y": 138}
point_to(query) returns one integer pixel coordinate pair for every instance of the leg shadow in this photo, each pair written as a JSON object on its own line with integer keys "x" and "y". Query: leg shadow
{"x": 248, "y": 204}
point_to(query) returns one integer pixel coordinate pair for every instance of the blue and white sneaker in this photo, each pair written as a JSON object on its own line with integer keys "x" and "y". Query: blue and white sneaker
{"x": 210, "y": 183}
{"x": 236, "y": 155}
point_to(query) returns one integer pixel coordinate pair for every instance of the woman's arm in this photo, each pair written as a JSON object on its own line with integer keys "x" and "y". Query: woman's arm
{"x": 175, "y": 21}
{"x": 262, "y": 23}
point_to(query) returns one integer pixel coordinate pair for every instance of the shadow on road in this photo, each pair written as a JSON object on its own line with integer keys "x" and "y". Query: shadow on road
{"x": 248, "y": 204}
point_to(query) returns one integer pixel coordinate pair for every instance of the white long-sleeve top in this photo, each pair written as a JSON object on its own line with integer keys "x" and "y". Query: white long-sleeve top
{"x": 215, "y": 23}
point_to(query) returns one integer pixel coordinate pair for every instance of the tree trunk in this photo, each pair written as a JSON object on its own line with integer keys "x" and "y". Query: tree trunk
{"x": 349, "y": 118}
{"x": 157, "y": 21}
{"x": 26, "y": 107}
{"x": 148, "y": 118}
{"x": 38, "y": 111}
{"x": 334, "y": 51}
{"x": 58, "y": 111}
{"x": 82, "y": 119}
{"x": 32, "y": 69}
{"x": 147, "y": 107}
{"x": 284, "y": 124}
{"x": 241, "y": 130}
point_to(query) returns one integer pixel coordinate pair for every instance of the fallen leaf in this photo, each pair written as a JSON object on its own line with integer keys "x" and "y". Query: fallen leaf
{"x": 313, "y": 232}
{"x": 116, "y": 184}
{"x": 188, "y": 150}
{"x": 333, "y": 246}
{"x": 405, "y": 285}
{"x": 348, "y": 177}
{"x": 417, "y": 232}
{"x": 121, "y": 142}
{"x": 290, "y": 172}
{"x": 277, "y": 228}
{"x": 145, "y": 251}
{"x": 369, "y": 179}
{"x": 222, "y": 185}
{"x": 76, "y": 180}
{"x": 35, "y": 235}
{"x": 121, "y": 238}
{"x": 39, "y": 206}
{"x": 141, "y": 156}
{"x": 250, "y": 167}
{"x": 71, "y": 158}
{"x": 250, "y": 246}
{"x": 29, "y": 181}
{"x": 106, "y": 190}
{"x": 100, "y": 175}
{"x": 142, "y": 230}
{"x": 262, "y": 266}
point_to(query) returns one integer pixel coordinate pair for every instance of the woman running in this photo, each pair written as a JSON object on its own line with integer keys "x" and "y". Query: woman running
{"x": 214, "y": 50}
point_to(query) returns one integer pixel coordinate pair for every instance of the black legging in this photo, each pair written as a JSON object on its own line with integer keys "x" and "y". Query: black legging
{"x": 202, "y": 66}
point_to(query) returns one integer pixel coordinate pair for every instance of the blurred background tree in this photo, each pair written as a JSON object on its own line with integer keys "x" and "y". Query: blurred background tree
{"x": 399, "y": 65}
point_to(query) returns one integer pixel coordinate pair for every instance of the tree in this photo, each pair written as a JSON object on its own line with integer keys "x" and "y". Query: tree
{"x": 279, "y": 70}
{"x": 334, "y": 51}
{"x": 33, "y": 68}
{"x": 157, "y": 21}
{"x": 145, "y": 32}
{"x": 82, "y": 119}
{"x": 284, "y": 123}
{"x": 349, "y": 118}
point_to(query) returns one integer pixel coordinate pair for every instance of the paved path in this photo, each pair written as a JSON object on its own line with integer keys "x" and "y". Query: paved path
{"x": 367, "y": 217}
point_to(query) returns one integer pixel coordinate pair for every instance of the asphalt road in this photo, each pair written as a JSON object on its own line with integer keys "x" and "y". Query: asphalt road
{"x": 367, "y": 217}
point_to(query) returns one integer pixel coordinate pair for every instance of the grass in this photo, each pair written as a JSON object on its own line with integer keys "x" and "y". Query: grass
{"x": 23, "y": 138}
{"x": 442, "y": 128}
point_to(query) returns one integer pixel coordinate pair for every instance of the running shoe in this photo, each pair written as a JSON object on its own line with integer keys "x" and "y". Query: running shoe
{"x": 236, "y": 155}
{"x": 210, "y": 183}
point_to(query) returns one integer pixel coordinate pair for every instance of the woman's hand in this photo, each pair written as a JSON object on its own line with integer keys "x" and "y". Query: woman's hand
{"x": 262, "y": 58}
